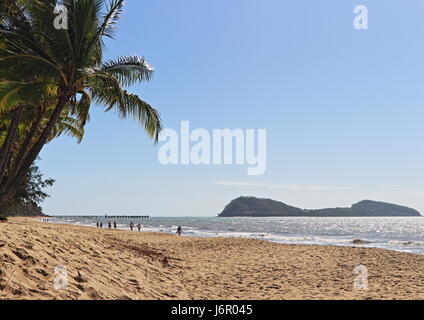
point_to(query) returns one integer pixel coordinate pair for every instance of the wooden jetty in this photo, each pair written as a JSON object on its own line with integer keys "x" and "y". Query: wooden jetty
{"x": 127, "y": 217}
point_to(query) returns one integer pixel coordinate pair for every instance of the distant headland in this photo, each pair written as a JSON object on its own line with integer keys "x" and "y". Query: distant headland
{"x": 256, "y": 207}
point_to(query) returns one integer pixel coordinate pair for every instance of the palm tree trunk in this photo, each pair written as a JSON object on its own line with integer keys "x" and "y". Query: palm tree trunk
{"x": 24, "y": 149}
{"x": 10, "y": 140}
{"x": 7, "y": 195}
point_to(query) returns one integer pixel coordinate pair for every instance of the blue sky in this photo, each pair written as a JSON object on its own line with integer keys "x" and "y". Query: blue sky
{"x": 343, "y": 108}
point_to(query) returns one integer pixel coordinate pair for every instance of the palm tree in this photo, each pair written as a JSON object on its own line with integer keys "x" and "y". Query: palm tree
{"x": 33, "y": 52}
{"x": 18, "y": 101}
{"x": 31, "y": 105}
{"x": 27, "y": 133}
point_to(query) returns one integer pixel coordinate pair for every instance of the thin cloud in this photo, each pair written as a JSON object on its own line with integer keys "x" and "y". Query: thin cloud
{"x": 292, "y": 187}
{"x": 392, "y": 186}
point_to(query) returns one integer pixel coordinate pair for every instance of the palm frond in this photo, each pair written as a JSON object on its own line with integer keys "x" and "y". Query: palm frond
{"x": 143, "y": 113}
{"x": 68, "y": 126}
{"x": 85, "y": 20}
{"x": 81, "y": 109}
{"x": 105, "y": 89}
{"x": 55, "y": 42}
{"x": 13, "y": 94}
{"x": 129, "y": 69}
{"x": 111, "y": 18}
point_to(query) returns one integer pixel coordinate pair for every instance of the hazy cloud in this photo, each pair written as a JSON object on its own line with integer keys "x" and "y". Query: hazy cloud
{"x": 392, "y": 186}
{"x": 292, "y": 187}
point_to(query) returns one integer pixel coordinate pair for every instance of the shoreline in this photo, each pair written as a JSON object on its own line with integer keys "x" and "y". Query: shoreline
{"x": 397, "y": 245}
{"x": 117, "y": 264}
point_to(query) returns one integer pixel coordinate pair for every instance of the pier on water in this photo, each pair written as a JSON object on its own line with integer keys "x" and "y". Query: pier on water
{"x": 127, "y": 217}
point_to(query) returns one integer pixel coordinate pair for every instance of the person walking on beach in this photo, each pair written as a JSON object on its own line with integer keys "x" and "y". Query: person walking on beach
{"x": 110, "y": 225}
{"x": 132, "y": 225}
{"x": 179, "y": 230}
{"x": 97, "y": 224}
{"x": 139, "y": 227}
{"x": 114, "y": 224}
{"x": 101, "y": 225}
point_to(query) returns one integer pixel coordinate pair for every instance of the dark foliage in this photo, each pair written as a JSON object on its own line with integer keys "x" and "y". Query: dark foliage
{"x": 255, "y": 207}
{"x": 30, "y": 195}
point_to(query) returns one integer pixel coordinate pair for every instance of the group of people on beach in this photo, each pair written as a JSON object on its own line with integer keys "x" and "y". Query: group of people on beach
{"x": 100, "y": 225}
{"x": 132, "y": 226}
{"x": 138, "y": 226}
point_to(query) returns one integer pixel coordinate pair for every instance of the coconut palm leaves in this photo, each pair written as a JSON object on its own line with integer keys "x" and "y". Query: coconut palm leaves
{"x": 60, "y": 74}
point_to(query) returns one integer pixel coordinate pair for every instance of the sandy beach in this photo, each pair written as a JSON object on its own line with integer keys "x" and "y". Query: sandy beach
{"x": 115, "y": 264}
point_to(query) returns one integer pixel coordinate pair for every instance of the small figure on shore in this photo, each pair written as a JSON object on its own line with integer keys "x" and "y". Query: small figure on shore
{"x": 110, "y": 225}
{"x": 139, "y": 227}
{"x": 114, "y": 224}
{"x": 101, "y": 225}
{"x": 97, "y": 224}
{"x": 179, "y": 230}
{"x": 132, "y": 226}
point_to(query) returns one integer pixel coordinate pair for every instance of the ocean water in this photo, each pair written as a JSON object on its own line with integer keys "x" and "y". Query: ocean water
{"x": 401, "y": 233}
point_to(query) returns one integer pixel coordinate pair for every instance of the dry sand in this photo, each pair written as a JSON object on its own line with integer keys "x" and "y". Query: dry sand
{"x": 113, "y": 264}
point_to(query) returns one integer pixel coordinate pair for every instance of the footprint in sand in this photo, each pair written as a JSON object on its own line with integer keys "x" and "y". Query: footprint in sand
{"x": 42, "y": 272}
{"x": 18, "y": 292}
{"x": 5, "y": 258}
{"x": 123, "y": 298}
{"x": 20, "y": 253}
{"x": 23, "y": 255}
{"x": 92, "y": 293}
{"x": 80, "y": 287}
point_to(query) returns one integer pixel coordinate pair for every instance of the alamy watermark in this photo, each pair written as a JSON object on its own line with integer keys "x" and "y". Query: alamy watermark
{"x": 360, "y": 22}
{"x": 61, "y": 20}
{"x": 60, "y": 282}
{"x": 219, "y": 147}
{"x": 361, "y": 280}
